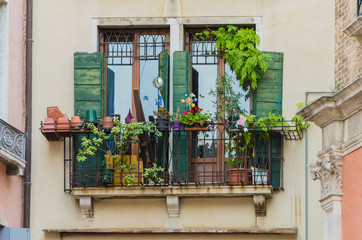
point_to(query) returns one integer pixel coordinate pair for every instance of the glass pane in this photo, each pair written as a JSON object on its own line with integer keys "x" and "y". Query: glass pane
{"x": 121, "y": 90}
{"x": 150, "y": 47}
{"x": 148, "y": 93}
{"x": 244, "y": 103}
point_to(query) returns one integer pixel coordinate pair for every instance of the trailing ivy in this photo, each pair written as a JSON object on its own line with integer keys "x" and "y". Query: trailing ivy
{"x": 239, "y": 48}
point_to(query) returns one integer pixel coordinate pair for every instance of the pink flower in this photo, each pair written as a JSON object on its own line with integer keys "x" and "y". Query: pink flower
{"x": 185, "y": 112}
{"x": 242, "y": 122}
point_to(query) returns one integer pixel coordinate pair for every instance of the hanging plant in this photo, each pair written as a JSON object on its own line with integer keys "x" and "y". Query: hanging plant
{"x": 238, "y": 46}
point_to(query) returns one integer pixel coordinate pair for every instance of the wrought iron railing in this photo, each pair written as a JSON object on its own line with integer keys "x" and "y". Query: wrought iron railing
{"x": 12, "y": 139}
{"x": 196, "y": 157}
{"x": 359, "y": 6}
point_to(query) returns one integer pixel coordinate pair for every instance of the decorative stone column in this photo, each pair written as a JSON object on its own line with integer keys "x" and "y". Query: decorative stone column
{"x": 328, "y": 169}
{"x": 339, "y": 115}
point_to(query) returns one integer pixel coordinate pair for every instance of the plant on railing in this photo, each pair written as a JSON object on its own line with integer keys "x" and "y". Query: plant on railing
{"x": 239, "y": 50}
{"x": 227, "y": 100}
{"x": 122, "y": 136}
{"x": 242, "y": 141}
{"x": 151, "y": 175}
{"x": 194, "y": 117}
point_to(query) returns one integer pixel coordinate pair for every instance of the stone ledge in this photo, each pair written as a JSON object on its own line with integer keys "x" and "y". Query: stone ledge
{"x": 338, "y": 107}
{"x": 175, "y": 231}
{"x": 354, "y": 29}
{"x": 160, "y": 192}
{"x": 15, "y": 165}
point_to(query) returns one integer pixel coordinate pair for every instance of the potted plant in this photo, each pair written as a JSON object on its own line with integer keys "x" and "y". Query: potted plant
{"x": 122, "y": 136}
{"x": 227, "y": 99}
{"x": 240, "y": 149}
{"x": 195, "y": 119}
{"x": 176, "y": 120}
{"x": 163, "y": 118}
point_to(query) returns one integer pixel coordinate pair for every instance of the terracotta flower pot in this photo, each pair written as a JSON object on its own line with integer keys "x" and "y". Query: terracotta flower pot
{"x": 107, "y": 122}
{"x": 239, "y": 176}
{"x": 63, "y": 124}
{"x": 76, "y": 123}
{"x": 49, "y": 125}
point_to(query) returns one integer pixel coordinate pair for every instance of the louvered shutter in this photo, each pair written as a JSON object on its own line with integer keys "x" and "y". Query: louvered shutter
{"x": 88, "y": 94}
{"x": 163, "y": 65}
{"x": 181, "y": 86}
{"x": 267, "y": 97}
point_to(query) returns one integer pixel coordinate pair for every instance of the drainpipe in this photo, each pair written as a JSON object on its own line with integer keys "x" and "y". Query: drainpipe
{"x": 306, "y": 168}
{"x": 28, "y": 102}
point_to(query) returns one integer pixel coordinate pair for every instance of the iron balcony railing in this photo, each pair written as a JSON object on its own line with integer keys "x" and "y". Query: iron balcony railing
{"x": 215, "y": 155}
{"x": 12, "y": 139}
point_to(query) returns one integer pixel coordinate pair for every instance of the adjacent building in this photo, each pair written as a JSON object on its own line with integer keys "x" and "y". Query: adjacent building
{"x": 12, "y": 119}
{"x": 339, "y": 116}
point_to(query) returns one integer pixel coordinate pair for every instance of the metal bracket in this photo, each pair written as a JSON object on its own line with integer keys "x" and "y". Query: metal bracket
{"x": 259, "y": 205}
{"x": 86, "y": 207}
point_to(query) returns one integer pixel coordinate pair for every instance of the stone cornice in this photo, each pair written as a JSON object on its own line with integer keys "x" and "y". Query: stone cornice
{"x": 339, "y": 106}
{"x": 354, "y": 29}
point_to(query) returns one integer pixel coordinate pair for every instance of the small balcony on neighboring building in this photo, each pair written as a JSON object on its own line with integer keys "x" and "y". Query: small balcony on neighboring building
{"x": 12, "y": 149}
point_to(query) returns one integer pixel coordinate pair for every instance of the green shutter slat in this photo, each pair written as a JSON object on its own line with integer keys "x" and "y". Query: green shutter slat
{"x": 88, "y": 94}
{"x": 268, "y": 97}
{"x": 163, "y": 65}
{"x": 270, "y": 87}
{"x": 88, "y": 83}
{"x": 181, "y": 86}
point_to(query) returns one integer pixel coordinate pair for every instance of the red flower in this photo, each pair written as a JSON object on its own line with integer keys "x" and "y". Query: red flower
{"x": 197, "y": 108}
{"x": 201, "y": 109}
{"x": 191, "y": 110}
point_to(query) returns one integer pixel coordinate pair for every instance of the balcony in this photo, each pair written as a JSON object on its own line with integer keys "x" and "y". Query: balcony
{"x": 211, "y": 161}
{"x": 12, "y": 149}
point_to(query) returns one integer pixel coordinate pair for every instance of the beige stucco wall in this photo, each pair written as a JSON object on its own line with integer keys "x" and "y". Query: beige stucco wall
{"x": 303, "y": 30}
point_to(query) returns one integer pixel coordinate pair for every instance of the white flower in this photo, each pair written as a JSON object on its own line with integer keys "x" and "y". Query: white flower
{"x": 241, "y": 122}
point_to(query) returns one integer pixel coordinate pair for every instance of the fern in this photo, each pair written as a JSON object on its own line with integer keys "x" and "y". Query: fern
{"x": 240, "y": 52}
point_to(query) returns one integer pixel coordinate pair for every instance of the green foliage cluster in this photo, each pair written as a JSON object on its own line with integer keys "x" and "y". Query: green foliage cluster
{"x": 195, "y": 118}
{"x": 244, "y": 141}
{"x": 239, "y": 48}
{"x": 227, "y": 99}
{"x": 123, "y": 136}
{"x": 151, "y": 175}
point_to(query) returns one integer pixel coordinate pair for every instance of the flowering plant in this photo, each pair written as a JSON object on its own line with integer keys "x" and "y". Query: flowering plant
{"x": 195, "y": 117}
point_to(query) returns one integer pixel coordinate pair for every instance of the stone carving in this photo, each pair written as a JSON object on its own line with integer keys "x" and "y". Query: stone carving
{"x": 328, "y": 170}
{"x": 12, "y": 139}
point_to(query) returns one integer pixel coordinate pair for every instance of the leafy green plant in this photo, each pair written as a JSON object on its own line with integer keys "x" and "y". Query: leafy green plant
{"x": 239, "y": 48}
{"x": 227, "y": 99}
{"x": 151, "y": 175}
{"x": 122, "y": 136}
{"x": 195, "y": 117}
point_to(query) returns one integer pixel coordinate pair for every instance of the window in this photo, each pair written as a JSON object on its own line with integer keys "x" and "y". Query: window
{"x": 131, "y": 61}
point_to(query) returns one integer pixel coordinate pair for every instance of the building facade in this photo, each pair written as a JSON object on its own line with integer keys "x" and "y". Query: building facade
{"x": 339, "y": 117}
{"x": 12, "y": 118}
{"x": 70, "y": 72}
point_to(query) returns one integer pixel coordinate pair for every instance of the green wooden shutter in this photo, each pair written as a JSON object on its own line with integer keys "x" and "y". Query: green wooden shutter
{"x": 181, "y": 86}
{"x": 88, "y": 83}
{"x": 163, "y": 65}
{"x": 88, "y": 94}
{"x": 267, "y": 97}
